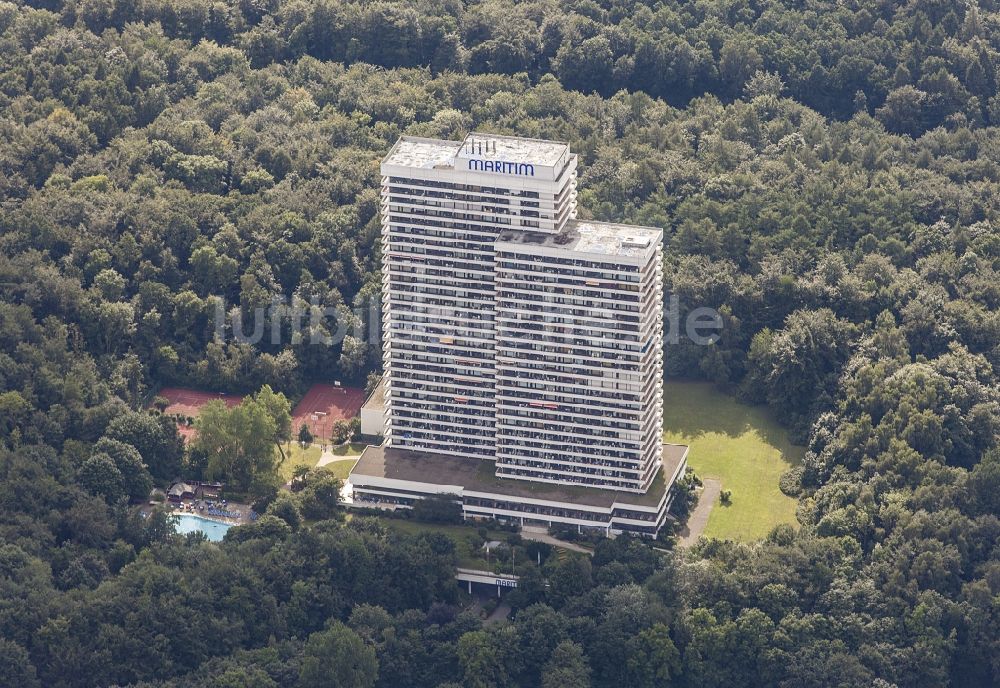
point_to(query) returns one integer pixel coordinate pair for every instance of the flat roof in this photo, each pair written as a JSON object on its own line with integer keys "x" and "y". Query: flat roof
{"x": 590, "y": 236}
{"x": 424, "y": 153}
{"x": 376, "y": 400}
{"x": 514, "y": 149}
{"x": 477, "y": 475}
{"x": 414, "y": 151}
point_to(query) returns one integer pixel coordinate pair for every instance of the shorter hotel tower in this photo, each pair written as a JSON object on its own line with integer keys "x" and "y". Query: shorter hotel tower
{"x": 518, "y": 341}
{"x": 579, "y": 356}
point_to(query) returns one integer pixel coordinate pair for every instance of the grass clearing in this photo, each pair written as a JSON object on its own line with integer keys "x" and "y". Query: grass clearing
{"x": 742, "y": 446}
{"x": 464, "y": 536}
{"x": 295, "y": 455}
{"x": 467, "y": 541}
{"x": 341, "y": 469}
{"x": 349, "y": 449}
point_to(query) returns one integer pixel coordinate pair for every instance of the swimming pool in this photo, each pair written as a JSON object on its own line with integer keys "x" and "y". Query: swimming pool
{"x": 213, "y": 530}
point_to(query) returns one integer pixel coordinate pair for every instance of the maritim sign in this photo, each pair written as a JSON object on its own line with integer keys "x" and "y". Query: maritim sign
{"x": 520, "y": 168}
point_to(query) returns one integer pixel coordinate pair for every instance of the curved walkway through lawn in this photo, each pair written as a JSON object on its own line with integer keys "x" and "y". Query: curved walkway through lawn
{"x": 340, "y": 459}
{"x": 530, "y": 533}
{"x": 740, "y": 446}
{"x": 698, "y": 518}
{"x": 328, "y": 457}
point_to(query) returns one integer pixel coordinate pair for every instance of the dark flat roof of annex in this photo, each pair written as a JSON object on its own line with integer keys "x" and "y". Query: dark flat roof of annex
{"x": 477, "y": 475}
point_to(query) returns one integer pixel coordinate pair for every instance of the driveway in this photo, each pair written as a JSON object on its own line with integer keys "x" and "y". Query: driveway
{"x": 499, "y": 614}
{"x": 699, "y": 517}
{"x": 531, "y": 534}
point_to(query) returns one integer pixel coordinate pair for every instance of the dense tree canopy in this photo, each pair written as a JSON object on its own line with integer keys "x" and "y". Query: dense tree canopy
{"x": 240, "y": 445}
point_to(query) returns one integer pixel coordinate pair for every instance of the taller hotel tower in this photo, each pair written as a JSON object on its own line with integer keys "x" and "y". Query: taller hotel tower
{"x": 516, "y": 336}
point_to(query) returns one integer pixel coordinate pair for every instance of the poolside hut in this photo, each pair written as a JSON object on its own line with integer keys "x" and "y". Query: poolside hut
{"x": 179, "y": 491}
{"x": 211, "y": 490}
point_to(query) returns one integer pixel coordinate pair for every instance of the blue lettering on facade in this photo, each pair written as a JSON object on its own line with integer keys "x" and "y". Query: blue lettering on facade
{"x": 502, "y": 167}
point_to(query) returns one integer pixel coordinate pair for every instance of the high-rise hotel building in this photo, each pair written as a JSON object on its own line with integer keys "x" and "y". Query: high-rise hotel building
{"x": 517, "y": 340}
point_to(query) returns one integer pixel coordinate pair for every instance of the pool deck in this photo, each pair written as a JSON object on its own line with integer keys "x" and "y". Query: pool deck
{"x": 213, "y": 530}
{"x": 193, "y": 510}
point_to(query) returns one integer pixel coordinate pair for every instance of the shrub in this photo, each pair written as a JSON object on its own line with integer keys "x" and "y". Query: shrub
{"x": 320, "y": 495}
{"x": 791, "y": 481}
{"x": 443, "y": 508}
{"x": 285, "y": 508}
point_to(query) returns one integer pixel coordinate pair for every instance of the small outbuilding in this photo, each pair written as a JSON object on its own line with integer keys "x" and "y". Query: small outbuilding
{"x": 210, "y": 490}
{"x": 179, "y": 491}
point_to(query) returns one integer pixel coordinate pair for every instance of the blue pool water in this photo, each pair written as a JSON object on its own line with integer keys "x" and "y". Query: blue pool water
{"x": 213, "y": 530}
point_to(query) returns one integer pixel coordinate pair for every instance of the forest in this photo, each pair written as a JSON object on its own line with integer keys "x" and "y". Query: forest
{"x": 828, "y": 178}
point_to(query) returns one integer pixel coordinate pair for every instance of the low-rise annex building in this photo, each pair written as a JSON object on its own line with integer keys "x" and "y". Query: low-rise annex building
{"x": 373, "y": 412}
{"x": 385, "y": 476}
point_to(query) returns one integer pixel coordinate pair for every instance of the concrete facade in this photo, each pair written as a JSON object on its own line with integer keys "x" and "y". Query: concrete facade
{"x": 513, "y": 332}
{"x": 394, "y": 478}
{"x": 373, "y": 412}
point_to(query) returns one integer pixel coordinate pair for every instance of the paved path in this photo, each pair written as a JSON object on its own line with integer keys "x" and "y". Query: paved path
{"x": 499, "y": 614}
{"x": 329, "y": 457}
{"x": 325, "y": 457}
{"x": 699, "y": 517}
{"x": 555, "y": 542}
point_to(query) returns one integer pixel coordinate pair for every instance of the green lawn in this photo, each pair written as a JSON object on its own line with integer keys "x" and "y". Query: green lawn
{"x": 296, "y": 456}
{"x": 743, "y": 446}
{"x": 468, "y": 556}
{"x": 452, "y": 531}
{"x": 350, "y": 449}
{"x": 341, "y": 469}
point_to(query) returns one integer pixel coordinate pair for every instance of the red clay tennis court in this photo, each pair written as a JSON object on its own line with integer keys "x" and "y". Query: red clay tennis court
{"x": 188, "y": 402}
{"x": 323, "y": 405}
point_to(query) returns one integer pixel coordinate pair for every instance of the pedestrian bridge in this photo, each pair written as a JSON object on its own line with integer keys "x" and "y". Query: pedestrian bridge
{"x": 500, "y": 580}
